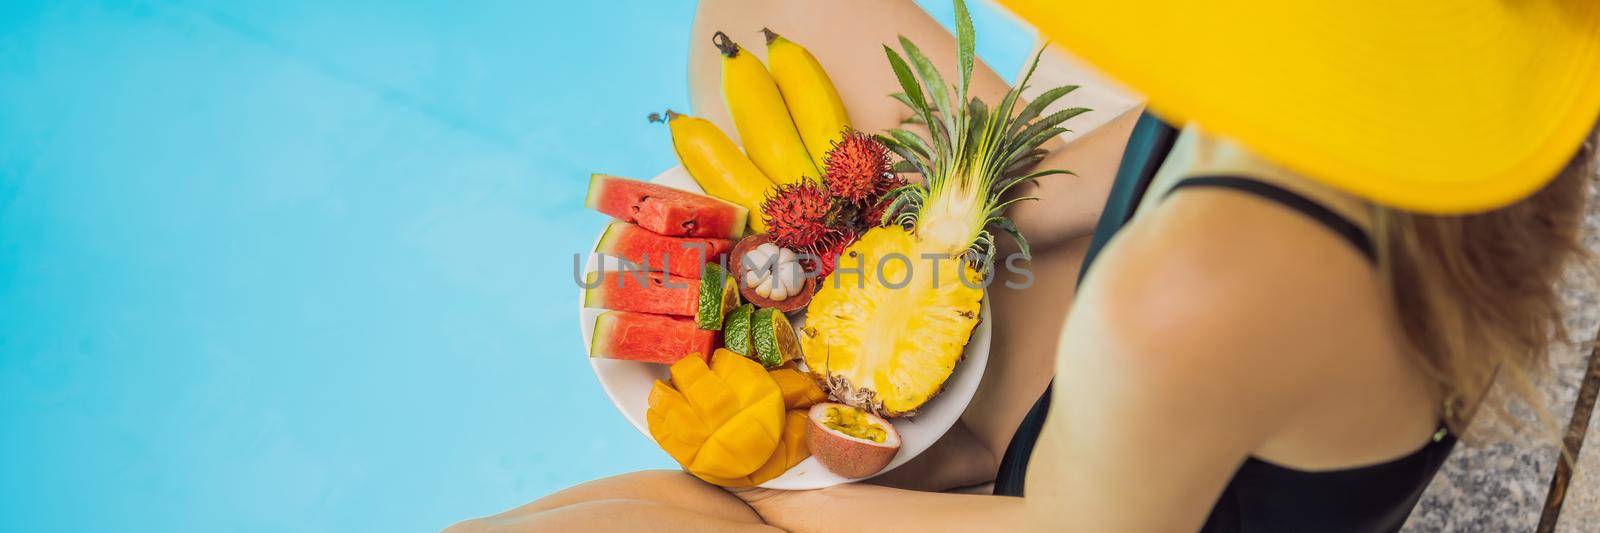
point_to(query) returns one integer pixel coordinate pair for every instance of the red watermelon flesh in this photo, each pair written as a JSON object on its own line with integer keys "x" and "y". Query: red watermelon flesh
{"x": 656, "y": 292}
{"x": 649, "y": 338}
{"x": 665, "y": 210}
{"x": 682, "y": 256}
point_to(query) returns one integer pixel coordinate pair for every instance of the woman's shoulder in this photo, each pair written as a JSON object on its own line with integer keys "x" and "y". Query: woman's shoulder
{"x": 1215, "y": 284}
{"x": 1212, "y": 254}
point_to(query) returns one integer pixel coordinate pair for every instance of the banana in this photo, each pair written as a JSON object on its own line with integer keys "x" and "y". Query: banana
{"x": 813, "y": 102}
{"x": 762, "y": 119}
{"x": 717, "y": 165}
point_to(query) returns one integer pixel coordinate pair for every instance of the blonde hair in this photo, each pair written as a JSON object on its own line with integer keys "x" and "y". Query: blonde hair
{"x": 1477, "y": 295}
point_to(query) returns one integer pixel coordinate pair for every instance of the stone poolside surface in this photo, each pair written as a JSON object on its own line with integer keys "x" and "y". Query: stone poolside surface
{"x": 1499, "y": 478}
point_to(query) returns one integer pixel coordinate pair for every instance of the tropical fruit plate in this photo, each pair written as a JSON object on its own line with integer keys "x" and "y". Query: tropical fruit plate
{"x": 628, "y": 383}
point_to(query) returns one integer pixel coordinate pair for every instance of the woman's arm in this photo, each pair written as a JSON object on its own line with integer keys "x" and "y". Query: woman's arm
{"x": 1186, "y": 353}
{"x": 960, "y": 459}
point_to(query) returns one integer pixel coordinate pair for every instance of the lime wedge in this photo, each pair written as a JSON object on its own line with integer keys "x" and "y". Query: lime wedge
{"x": 718, "y": 296}
{"x": 736, "y": 330}
{"x": 773, "y": 338}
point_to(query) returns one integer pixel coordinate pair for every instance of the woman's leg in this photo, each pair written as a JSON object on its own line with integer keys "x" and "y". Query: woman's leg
{"x": 641, "y": 501}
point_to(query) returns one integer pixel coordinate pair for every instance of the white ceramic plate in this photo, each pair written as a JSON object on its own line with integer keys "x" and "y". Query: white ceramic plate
{"x": 628, "y": 383}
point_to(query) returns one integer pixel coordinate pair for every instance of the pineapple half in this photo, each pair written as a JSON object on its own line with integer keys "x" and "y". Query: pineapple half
{"x": 886, "y": 349}
{"x": 886, "y": 337}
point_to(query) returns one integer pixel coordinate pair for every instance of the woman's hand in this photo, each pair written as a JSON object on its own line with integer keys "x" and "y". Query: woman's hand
{"x": 764, "y": 501}
{"x": 785, "y": 509}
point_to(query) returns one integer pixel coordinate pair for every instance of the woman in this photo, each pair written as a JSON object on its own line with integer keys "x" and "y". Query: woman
{"x": 1281, "y": 339}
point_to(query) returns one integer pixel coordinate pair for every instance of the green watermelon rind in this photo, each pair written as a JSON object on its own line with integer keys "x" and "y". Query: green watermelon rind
{"x": 608, "y": 238}
{"x": 597, "y": 186}
{"x": 594, "y": 292}
{"x": 596, "y": 346}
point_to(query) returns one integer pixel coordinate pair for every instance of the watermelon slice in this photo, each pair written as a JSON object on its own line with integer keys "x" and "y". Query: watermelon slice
{"x": 665, "y": 210}
{"x": 682, "y": 256}
{"x": 649, "y": 338}
{"x": 659, "y": 293}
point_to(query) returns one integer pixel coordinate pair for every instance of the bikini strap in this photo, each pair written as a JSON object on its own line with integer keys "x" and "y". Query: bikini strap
{"x": 1340, "y": 225}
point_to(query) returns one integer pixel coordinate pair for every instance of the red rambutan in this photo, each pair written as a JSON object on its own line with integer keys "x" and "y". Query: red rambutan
{"x": 855, "y": 166}
{"x": 800, "y": 216}
{"x": 874, "y": 214}
{"x": 826, "y": 256}
{"x": 887, "y": 182}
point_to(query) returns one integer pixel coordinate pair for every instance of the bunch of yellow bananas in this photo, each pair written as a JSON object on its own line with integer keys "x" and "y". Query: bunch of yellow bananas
{"x": 808, "y": 93}
{"x": 788, "y": 119}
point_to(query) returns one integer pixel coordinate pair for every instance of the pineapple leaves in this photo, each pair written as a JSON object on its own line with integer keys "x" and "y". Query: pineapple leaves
{"x": 984, "y": 247}
{"x": 973, "y": 155}
{"x": 1050, "y": 122}
{"x": 1024, "y": 162}
{"x": 903, "y": 99}
{"x": 907, "y": 199}
{"x": 943, "y": 143}
{"x": 978, "y": 115}
{"x": 908, "y": 83}
{"x": 910, "y": 140}
{"x": 1005, "y": 185}
{"x": 1032, "y": 66}
{"x": 1038, "y": 104}
{"x": 1032, "y": 142}
{"x": 908, "y": 157}
{"x": 1034, "y": 177}
{"x": 964, "y": 42}
{"x": 1010, "y": 228}
{"x": 909, "y": 147}
{"x": 916, "y": 110}
{"x": 1009, "y": 103}
{"x": 1001, "y": 207}
{"x": 939, "y": 93}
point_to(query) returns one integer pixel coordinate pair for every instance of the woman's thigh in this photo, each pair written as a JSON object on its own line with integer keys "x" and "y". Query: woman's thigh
{"x": 670, "y": 487}
{"x": 649, "y": 499}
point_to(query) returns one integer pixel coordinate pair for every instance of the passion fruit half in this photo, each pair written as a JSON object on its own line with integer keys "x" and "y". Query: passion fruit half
{"x": 739, "y": 266}
{"x": 850, "y": 442}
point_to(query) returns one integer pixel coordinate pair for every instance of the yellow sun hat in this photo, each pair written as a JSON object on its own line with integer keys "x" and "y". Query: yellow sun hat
{"x": 1439, "y": 106}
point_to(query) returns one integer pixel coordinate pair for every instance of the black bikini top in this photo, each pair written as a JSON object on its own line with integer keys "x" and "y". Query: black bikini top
{"x": 1266, "y": 497}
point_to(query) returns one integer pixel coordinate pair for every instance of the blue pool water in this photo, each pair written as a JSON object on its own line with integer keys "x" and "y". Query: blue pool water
{"x": 304, "y": 265}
